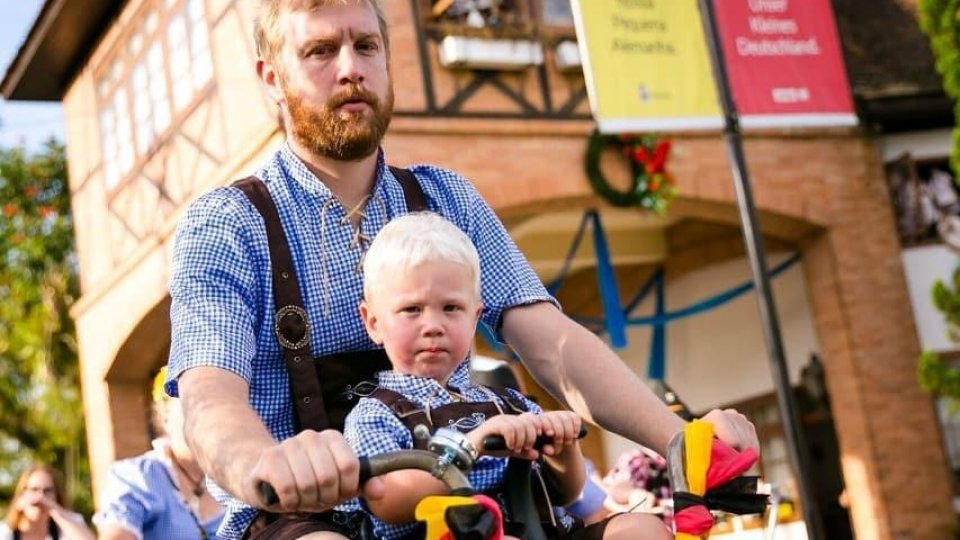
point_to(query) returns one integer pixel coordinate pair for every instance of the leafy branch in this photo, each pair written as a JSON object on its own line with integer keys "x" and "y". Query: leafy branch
{"x": 40, "y": 407}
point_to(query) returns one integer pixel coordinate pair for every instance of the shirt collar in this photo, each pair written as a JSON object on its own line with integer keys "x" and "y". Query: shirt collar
{"x": 460, "y": 378}
{"x": 403, "y": 382}
{"x": 295, "y": 168}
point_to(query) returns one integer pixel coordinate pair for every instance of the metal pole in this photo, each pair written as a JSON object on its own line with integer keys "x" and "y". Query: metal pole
{"x": 796, "y": 446}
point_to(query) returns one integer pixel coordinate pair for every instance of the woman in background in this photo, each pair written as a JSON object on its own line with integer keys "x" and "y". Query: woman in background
{"x": 38, "y": 510}
{"x": 159, "y": 495}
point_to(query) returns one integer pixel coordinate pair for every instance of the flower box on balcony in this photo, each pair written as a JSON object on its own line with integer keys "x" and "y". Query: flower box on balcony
{"x": 491, "y": 54}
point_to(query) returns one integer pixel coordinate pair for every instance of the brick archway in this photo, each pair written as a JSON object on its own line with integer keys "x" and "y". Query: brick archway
{"x": 119, "y": 427}
{"x": 826, "y": 195}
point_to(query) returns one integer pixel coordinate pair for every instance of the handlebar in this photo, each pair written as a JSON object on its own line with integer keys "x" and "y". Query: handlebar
{"x": 420, "y": 460}
{"x": 267, "y": 494}
{"x": 382, "y": 464}
{"x": 493, "y": 443}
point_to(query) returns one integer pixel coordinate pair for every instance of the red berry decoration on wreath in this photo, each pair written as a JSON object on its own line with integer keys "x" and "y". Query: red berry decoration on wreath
{"x": 652, "y": 187}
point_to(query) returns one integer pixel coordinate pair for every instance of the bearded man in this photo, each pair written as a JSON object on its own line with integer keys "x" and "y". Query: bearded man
{"x": 268, "y": 350}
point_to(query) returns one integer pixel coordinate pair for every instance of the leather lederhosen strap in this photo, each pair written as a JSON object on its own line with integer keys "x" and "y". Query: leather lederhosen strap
{"x": 323, "y": 389}
{"x": 521, "y": 480}
{"x": 463, "y": 416}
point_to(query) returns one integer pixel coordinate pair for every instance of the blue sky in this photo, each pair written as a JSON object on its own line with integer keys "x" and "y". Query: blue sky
{"x": 23, "y": 122}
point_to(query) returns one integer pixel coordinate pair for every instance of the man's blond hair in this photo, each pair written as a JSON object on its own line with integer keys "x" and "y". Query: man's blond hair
{"x": 268, "y": 31}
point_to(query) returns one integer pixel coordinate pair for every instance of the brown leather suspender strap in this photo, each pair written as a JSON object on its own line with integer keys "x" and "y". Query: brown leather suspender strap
{"x": 412, "y": 192}
{"x": 291, "y": 323}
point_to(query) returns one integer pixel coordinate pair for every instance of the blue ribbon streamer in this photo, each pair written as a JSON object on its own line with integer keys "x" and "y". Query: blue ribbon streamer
{"x": 615, "y": 319}
{"x": 700, "y": 307}
{"x": 554, "y": 286}
{"x": 658, "y": 343}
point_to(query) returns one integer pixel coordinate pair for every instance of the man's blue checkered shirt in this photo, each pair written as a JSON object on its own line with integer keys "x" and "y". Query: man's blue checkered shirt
{"x": 373, "y": 428}
{"x": 222, "y": 293}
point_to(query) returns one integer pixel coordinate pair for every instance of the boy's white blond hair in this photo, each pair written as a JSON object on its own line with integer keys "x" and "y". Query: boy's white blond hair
{"x": 414, "y": 239}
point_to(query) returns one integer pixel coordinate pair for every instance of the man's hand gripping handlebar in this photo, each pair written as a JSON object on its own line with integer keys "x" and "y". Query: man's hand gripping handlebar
{"x": 706, "y": 475}
{"x": 449, "y": 456}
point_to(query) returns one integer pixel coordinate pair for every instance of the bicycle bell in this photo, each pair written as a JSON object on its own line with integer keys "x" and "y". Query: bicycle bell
{"x": 453, "y": 448}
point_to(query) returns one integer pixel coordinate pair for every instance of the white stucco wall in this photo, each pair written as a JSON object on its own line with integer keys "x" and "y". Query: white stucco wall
{"x": 923, "y": 266}
{"x": 929, "y": 144}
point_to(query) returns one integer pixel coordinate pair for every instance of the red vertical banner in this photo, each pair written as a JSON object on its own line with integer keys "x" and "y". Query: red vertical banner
{"x": 784, "y": 62}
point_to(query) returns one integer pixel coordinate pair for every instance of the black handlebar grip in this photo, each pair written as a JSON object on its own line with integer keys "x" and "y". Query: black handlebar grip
{"x": 365, "y": 472}
{"x": 267, "y": 494}
{"x": 492, "y": 443}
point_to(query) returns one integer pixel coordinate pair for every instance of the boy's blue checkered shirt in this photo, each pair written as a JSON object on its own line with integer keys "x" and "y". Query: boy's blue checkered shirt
{"x": 373, "y": 428}
{"x": 222, "y": 294}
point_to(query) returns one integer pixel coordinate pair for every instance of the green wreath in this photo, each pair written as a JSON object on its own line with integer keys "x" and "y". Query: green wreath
{"x": 652, "y": 187}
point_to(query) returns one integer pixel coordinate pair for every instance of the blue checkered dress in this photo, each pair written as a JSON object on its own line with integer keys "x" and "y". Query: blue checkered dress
{"x": 142, "y": 497}
{"x": 222, "y": 294}
{"x": 373, "y": 428}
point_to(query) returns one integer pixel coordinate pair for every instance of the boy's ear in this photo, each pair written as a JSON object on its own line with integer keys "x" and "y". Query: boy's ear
{"x": 370, "y": 322}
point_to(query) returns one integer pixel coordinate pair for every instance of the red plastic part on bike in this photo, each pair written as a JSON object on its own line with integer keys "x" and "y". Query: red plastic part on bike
{"x": 709, "y": 463}
{"x": 694, "y": 521}
{"x": 727, "y": 464}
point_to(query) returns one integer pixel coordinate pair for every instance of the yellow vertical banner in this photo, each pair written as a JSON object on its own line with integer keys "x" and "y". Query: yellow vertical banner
{"x": 646, "y": 65}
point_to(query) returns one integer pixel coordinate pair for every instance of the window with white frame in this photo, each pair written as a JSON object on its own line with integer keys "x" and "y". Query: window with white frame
{"x": 556, "y": 13}
{"x": 491, "y": 14}
{"x": 923, "y": 193}
{"x": 190, "y": 64}
{"x": 116, "y": 140}
{"x": 151, "y": 109}
{"x": 151, "y": 81}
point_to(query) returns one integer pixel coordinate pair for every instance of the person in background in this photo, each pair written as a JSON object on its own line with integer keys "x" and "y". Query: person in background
{"x": 159, "y": 495}
{"x": 39, "y": 509}
{"x": 590, "y": 506}
{"x": 639, "y": 482}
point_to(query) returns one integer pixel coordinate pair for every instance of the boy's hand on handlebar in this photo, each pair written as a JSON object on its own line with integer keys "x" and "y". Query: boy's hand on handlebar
{"x": 310, "y": 472}
{"x": 562, "y": 427}
{"x": 518, "y": 432}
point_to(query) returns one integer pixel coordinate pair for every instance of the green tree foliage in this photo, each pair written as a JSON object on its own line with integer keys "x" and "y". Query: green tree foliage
{"x": 940, "y": 21}
{"x": 935, "y": 376}
{"x": 41, "y": 415}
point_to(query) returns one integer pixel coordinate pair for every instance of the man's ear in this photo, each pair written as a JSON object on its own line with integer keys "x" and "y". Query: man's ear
{"x": 271, "y": 80}
{"x": 370, "y": 322}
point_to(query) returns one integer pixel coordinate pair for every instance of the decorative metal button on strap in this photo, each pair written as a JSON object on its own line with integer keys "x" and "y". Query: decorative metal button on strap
{"x": 467, "y": 423}
{"x": 362, "y": 389}
{"x": 292, "y": 327}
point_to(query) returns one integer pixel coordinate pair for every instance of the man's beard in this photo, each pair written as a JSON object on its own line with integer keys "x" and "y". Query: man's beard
{"x": 343, "y": 136}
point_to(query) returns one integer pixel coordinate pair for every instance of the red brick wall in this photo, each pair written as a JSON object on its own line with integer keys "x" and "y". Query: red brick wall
{"x": 828, "y": 195}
